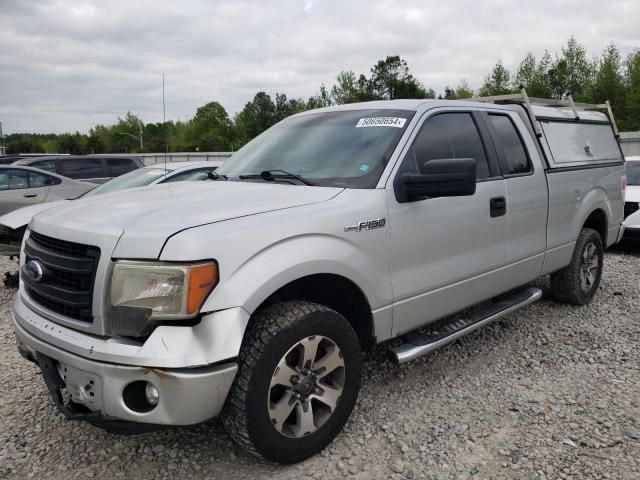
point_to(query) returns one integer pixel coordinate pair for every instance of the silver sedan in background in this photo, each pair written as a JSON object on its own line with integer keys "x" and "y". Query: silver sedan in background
{"x": 13, "y": 224}
{"x": 24, "y": 186}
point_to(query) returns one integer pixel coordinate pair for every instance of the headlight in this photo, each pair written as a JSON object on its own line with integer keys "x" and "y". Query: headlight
{"x": 143, "y": 291}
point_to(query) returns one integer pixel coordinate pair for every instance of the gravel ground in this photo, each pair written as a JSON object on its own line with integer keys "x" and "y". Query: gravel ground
{"x": 549, "y": 392}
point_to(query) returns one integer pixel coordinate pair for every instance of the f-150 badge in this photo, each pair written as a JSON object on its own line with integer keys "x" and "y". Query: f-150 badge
{"x": 366, "y": 225}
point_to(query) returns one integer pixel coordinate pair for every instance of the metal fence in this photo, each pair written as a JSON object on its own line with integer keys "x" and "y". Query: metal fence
{"x": 630, "y": 143}
{"x": 151, "y": 158}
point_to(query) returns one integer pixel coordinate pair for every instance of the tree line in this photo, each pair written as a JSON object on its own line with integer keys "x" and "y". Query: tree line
{"x": 609, "y": 76}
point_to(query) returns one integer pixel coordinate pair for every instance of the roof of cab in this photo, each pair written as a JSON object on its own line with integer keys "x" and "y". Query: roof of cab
{"x": 426, "y": 104}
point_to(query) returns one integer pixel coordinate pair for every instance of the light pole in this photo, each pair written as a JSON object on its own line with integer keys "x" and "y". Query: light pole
{"x": 135, "y": 136}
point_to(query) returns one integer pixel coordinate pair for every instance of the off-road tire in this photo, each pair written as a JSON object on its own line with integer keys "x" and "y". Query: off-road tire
{"x": 565, "y": 283}
{"x": 271, "y": 333}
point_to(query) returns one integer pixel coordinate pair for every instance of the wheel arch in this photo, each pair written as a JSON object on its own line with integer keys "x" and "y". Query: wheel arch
{"x": 597, "y": 220}
{"x": 334, "y": 291}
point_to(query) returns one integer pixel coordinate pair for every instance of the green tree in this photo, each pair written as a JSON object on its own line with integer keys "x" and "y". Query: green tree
{"x": 631, "y": 119}
{"x": 391, "y": 78}
{"x": 321, "y": 100}
{"x": 346, "y": 89}
{"x": 286, "y": 107}
{"x": 254, "y": 118}
{"x": 498, "y": 82}
{"x": 572, "y": 73}
{"x": 23, "y": 143}
{"x": 212, "y": 128}
{"x": 609, "y": 81}
{"x": 463, "y": 91}
{"x": 533, "y": 75}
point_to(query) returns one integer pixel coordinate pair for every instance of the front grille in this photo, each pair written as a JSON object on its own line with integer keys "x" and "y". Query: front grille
{"x": 629, "y": 208}
{"x": 69, "y": 271}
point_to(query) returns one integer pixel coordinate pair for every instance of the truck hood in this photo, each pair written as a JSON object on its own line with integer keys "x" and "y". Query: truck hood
{"x": 146, "y": 217}
{"x": 632, "y": 194}
{"x": 22, "y": 216}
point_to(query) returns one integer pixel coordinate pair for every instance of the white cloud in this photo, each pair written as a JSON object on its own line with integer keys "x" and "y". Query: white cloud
{"x": 68, "y": 65}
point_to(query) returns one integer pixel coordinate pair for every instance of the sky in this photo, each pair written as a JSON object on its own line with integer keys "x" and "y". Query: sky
{"x": 69, "y": 65}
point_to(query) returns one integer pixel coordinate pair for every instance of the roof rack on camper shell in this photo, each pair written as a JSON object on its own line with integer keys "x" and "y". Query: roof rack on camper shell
{"x": 524, "y": 99}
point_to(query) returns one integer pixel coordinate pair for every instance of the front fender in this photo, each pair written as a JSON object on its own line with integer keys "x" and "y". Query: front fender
{"x": 285, "y": 261}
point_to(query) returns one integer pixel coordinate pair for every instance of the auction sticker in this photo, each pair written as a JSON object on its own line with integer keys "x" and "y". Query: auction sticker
{"x": 381, "y": 122}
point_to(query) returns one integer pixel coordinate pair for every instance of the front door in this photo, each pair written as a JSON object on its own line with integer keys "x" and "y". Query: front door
{"x": 15, "y": 191}
{"x": 447, "y": 253}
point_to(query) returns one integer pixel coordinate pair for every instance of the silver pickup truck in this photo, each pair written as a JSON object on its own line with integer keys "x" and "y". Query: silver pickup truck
{"x": 254, "y": 295}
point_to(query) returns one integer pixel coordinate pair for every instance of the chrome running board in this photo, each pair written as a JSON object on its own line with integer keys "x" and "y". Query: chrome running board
{"x": 438, "y": 334}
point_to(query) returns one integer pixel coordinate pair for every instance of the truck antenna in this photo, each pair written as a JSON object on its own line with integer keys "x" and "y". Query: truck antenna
{"x": 164, "y": 125}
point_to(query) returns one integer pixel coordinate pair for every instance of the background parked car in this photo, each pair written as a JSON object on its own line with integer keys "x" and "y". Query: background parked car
{"x": 632, "y": 196}
{"x": 632, "y": 199}
{"x": 22, "y": 186}
{"x": 9, "y": 159}
{"x": 13, "y": 224}
{"x": 91, "y": 168}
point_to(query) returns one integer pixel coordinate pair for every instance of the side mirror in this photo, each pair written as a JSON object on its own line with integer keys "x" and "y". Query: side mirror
{"x": 450, "y": 177}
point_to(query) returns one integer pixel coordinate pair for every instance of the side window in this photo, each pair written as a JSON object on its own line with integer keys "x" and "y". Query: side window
{"x": 41, "y": 180}
{"x": 119, "y": 166}
{"x": 13, "y": 179}
{"x": 514, "y": 159}
{"x": 451, "y": 135}
{"x": 191, "y": 175}
{"x": 82, "y": 168}
{"x": 48, "y": 165}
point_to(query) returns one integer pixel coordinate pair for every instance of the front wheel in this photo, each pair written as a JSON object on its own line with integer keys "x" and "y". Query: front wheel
{"x": 298, "y": 380}
{"x": 578, "y": 282}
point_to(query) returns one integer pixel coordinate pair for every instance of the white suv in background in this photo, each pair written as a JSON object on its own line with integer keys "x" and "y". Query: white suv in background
{"x": 632, "y": 199}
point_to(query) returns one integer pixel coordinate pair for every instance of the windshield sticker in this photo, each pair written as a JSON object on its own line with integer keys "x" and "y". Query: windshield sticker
{"x": 381, "y": 122}
{"x": 364, "y": 167}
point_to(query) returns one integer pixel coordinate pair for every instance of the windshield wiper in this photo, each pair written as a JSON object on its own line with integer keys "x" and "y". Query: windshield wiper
{"x": 271, "y": 175}
{"x": 213, "y": 175}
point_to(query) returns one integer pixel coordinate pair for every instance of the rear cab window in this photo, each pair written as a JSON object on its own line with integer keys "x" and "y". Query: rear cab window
{"x": 512, "y": 154}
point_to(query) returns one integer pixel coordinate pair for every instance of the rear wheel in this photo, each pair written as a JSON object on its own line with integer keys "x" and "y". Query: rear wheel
{"x": 579, "y": 281}
{"x": 297, "y": 382}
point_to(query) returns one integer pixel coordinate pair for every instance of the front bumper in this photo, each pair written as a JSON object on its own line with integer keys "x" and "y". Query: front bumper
{"x": 95, "y": 388}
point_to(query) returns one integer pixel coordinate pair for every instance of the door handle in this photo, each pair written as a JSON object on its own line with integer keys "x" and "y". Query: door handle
{"x": 30, "y": 195}
{"x": 498, "y": 206}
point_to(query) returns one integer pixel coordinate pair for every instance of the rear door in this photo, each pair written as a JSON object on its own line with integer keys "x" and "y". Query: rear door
{"x": 16, "y": 192}
{"x": 88, "y": 169}
{"x": 527, "y": 197}
{"x": 119, "y": 166}
{"x": 447, "y": 253}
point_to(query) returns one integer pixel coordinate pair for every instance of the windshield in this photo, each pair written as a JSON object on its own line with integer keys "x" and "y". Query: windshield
{"x": 633, "y": 173}
{"x": 344, "y": 149}
{"x": 136, "y": 178}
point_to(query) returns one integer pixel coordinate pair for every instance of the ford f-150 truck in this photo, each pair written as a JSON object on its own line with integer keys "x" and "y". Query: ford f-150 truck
{"x": 253, "y": 296}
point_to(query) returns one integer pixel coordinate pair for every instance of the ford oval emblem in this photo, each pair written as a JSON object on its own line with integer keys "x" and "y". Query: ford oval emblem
{"x": 35, "y": 270}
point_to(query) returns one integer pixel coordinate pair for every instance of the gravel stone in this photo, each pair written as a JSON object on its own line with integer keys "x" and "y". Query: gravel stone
{"x": 548, "y": 392}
